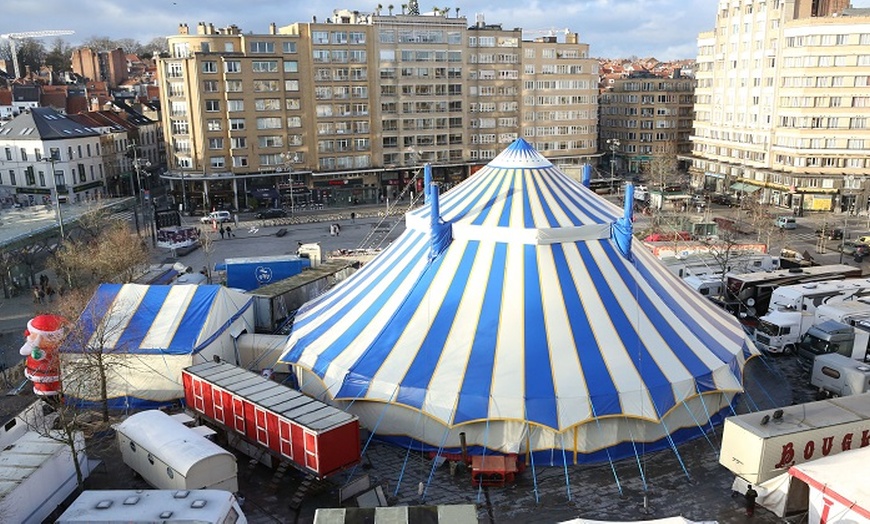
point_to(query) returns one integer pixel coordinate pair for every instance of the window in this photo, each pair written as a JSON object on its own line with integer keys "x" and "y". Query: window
{"x": 233, "y": 66}
{"x": 294, "y": 121}
{"x": 291, "y": 85}
{"x": 264, "y": 66}
{"x": 268, "y": 123}
{"x": 291, "y": 66}
{"x": 265, "y": 86}
{"x": 319, "y": 37}
{"x": 237, "y": 124}
{"x": 213, "y": 124}
{"x": 210, "y": 86}
{"x": 217, "y": 161}
{"x": 262, "y": 47}
{"x": 215, "y": 143}
{"x": 289, "y": 47}
{"x": 357, "y": 37}
{"x": 238, "y": 142}
{"x": 209, "y": 66}
{"x": 235, "y": 105}
{"x": 292, "y": 104}
{"x": 267, "y": 104}
{"x": 234, "y": 86}
{"x": 212, "y": 106}
{"x": 240, "y": 161}
{"x": 270, "y": 141}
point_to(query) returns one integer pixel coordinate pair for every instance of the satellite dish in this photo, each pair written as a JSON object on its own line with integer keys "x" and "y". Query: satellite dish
{"x": 765, "y": 419}
{"x": 751, "y": 312}
{"x": 750, "y": 301}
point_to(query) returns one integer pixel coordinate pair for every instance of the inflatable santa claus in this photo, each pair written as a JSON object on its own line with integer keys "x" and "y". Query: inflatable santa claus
{"x": 43, "y": 337}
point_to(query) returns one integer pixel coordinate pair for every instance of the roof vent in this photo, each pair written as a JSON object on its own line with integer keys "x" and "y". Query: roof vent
{"x": 104, "y": 504}
{"x": 181, "y": 494}
{"x": 131, "y": 500}
{"x": 165, "y": 515}
{"x": 198, "y": 503}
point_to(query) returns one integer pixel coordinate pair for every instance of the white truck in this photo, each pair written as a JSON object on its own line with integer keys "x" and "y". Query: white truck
{"x": 831, "y": 336}
{"x": 792, "y": 310}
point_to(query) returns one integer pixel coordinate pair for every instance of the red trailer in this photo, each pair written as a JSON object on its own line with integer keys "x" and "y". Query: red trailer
{"x": 316, "y": 437}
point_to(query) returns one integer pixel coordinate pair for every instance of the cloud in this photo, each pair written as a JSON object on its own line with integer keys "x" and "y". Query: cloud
{"x": 666, "y": 29}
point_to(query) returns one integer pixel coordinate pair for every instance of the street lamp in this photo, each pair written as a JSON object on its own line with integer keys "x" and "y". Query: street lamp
{"x": 289, "y": 159}
{"x": 52, "y": 158}
{"x": 613, "y": 144}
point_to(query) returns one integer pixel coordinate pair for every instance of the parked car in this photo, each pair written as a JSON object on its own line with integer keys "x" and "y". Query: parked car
{"x": 786, "y": 222}
{"x": 217, "y": 216}
{"x": 271, "y": 213}
{"x": 856, "y": 249}
{"x": 863, "y": 239}
{"x": 831, "y": 233}
{"x": 722, "y": 199}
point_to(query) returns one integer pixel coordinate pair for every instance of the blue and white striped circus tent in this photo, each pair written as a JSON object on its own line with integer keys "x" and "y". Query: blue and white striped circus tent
{"x": 513, "y": 310}
{"x": 146, "y": 335}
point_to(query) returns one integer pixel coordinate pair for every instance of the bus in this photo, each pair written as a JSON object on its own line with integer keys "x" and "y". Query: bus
{"x": 747, "y": 295}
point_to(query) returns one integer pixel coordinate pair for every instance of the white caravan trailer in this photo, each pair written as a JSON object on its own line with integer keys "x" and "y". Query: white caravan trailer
{"x": 211, "y": 506}
{"x": 170, "y": 455}
{"x": 37, "y": 474}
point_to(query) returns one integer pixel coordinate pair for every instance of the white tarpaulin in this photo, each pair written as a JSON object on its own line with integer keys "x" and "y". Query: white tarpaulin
{"x": 839, "y": 491}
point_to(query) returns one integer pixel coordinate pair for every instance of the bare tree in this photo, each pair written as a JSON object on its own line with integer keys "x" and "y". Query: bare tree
{"x": 207, "y": 244}
{"x": 114, "y": 255}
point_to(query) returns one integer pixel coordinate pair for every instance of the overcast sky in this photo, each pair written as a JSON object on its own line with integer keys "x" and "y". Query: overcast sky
{"x": 664, "y": 29}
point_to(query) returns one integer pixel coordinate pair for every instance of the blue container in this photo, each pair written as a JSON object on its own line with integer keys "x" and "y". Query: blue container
{"x": 251, "y": 273}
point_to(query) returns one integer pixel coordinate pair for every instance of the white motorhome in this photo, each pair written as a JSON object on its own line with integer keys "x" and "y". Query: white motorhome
{"x": 708, "y": 285}
{"x": 792, "y": 310}
{"x": 210, "y": 506}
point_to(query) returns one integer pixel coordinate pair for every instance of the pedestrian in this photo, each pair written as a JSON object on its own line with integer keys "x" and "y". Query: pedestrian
{"x": 37, "y": 295}
{"x": 337, "y": 229}
{"x": 49, "y": 292}
{"x": 750, "y": 495}
{"x": 230, "y": 232}
{"x": 223, "y": 231}
{"x": 352, "y": 216}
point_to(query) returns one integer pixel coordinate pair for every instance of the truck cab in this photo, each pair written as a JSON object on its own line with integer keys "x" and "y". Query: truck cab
{"x": 831, "y": 336}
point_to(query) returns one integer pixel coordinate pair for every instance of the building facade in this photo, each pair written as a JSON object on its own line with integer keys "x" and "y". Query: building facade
{"x": 649, "y": 116}
{"x": 45, "y": 153}
{"x": 780, "y": 89}
{"x": 348, "y": 109}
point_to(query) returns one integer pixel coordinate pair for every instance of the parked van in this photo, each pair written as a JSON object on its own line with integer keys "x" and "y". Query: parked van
{"x": 217, "y": 216}
{"x": 786, "y": 222}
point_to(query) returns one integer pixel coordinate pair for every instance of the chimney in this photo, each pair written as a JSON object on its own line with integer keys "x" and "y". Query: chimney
{"x": 183, "y": 29}
{"x": 273, "y": 29}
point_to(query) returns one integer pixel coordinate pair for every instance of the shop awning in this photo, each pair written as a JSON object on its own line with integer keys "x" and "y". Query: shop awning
{"x": 744, "y": 188}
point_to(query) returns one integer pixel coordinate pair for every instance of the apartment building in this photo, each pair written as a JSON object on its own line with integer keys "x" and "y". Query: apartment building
{"x": 44, "y": 153}
{"x": 649, "y": 116}
{"x": 347, "y": 109}
{"x": 779, "y": 104}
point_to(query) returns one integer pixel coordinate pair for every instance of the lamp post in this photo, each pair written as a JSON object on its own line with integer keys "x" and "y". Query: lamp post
{"x": 52, "y": 158}
{"x": 289, "y": 159}
{"x": 613, "y": 144}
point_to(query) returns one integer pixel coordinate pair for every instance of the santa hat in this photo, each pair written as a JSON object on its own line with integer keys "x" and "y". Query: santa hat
{"x": 48, "y": 326}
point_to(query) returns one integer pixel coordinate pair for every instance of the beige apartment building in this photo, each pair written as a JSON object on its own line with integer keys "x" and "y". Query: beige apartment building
{"x": 649, "y": 116}
{"x": 780, "y": 109}
{"x": 348, "y": 109}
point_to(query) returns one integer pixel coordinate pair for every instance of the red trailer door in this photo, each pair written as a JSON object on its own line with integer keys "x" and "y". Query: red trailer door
{"x": 286, "y": 439}
{"x": 311, "y": 461}
{"x": 262, "y": 429}
{"x": 239, "y": 415}
{"x": 218, "y": 401}
{"x": 198, "y": 403}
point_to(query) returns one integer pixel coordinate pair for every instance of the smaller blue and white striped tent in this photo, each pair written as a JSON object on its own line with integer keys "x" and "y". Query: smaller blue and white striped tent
{"x": 513, "y": 310}
{"x": 147, "y": 335}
